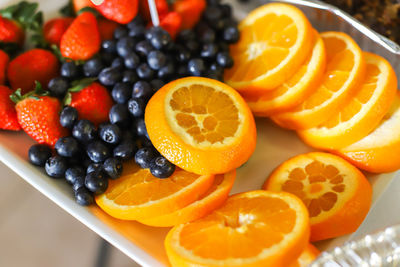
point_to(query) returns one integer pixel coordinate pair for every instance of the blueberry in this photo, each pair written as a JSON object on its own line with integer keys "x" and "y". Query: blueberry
{"x": 141, "y": 128}
{"x": 212, "y": 14}
{"x": 226, "y": 10}
{"x": 182, "y": 71}
{"x": 120, "y": 32}
{"x": 125, "y": 46}
{"x": 58, "y": 86}
{"x": 68, "y": 117}
{"x": 224, "y": 60}
{"x": 125, "y": 150}
{"x": 84, "y": 131}
{"x": 207, "y": 35}
{"x": 136, "y": 107}
{"x": 132, "y": 61}
{"x": 137, "y": 21}
{"x": 107, "y": 58}
{"x": 110, "y": 133}
{"x": 83, "y": 197}
{"x": 113, "y": 167}
{"x": 110, "y": 76}
{"x": 231, "y": 35}
{"x": 143, "y": 48}
{"x": 156, "y": 84}
{"x": 79, "y": 183}
{"x": 98, "y": 151}
{"x": 56, "y": 166}
{"x": 119, "y": 115}
{"x": 73, "y": 173}
{"x": 128, "y": 135}
{"x": 160, "y": 167}
{"x": 166, "y": 72}
{"x": 69, "y": 70}
{"x": 118, "y": 63}
{"x": 193, "y": 47}
{"x": 183, "y": 55}
{"x": 186, "y": 35}
{"x": 67, "y": 146}
{"x": 160, "y": 38}
{"x": 145, "y": 72}
{"x": 121, "y": 92}
{"x": 109, "y": 46}
{"x": 223, "y": 47}
{"x": 145, "y": 156}
{"x": 196, "y": 66}
{"x": 129, "y": 76}
{"x": 209, "y": 51}
{"x": 94, "y": 167}
{"x": 143, "y": 90}
{"x": 137, "y": 31}
{"x": 156, "y": 60}
{"x": 96, "y": 182}
{"x": 92, "y": 67}
{"x": 38, "y": 154}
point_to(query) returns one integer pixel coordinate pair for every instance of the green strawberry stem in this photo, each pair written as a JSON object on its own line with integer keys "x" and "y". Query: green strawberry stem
{"x": 34, "y": 94}
{"x": 77, "y": 86}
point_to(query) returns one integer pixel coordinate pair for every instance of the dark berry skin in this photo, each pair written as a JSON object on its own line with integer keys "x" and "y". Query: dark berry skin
{"x": 137, "y": 21}
{"x": 131, "y": 61}
{"x": 119, "y": 115}
{"x": 159, "y": 38}
{"x": 207, "y": 35}
{"x": 186, "y": 35}
{"x": 143, "y": 48}
{"x": 109, "y": 46}
{"x": 96, "y": 182}
{"x": 107, "y": 58}
{"x": 92, "y": 67}
{"x": 67, "y": 146}
{"x": 110, "y": 76}
{"x": 113, "y": 167}
{"x": 118, "y": 63}
{"x": 58, "y": 86}
{"x": 98, "y": 151}
{"x": 157, "y": 84}
{"x": 142, "y": 90}
{"x": 129, "y": 76}
{"x": 79, "y": 182}
{"x": 69, "y": 70}
{"x": 68, "y": 117}
{"x": 183, "y": 55}
{"x": 231, "y": 35}
{"x": 125, "y": 46}
{"x": 111, "y": 133}
{"x": 141, "y": 128}
{"x": 196, "y": 67}
{"x": 94, "y": 167}
{"x": 120, "y": 32}
{"x": 160, "y": 167}
{"x": 137, "y": 31}
{"x": 145, "y": 142}
{"x": 224, "y": 60}
{"x": 209, "y": 51}
{"x": 136, "y": 107}
{"x": 84, "y": 131}
{"x": 73, "y": 173}
{"x": 125, "y": 150}
{"x": 121, "y": 93}
{"x": 38, "y": 154}
{"x": 156, "y": 60}
{"x": 56, "y": 166}
{"x": 84, "y": 197}
{"x": 145, "y": 72}
{"x": 145, "y": 156}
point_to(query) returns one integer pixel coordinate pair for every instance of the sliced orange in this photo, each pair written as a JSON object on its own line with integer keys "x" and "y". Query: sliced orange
{"x": 362, "y": 113}
{"x": 306, "y": 257}
{"x": 344, "y": 73}
{"x": 337, "y": 194}
{"x": 379, "y": 151}
{"x": 209, "y": 201}
{"x": 295, "y": 90}
{"x": 138, "y": 194}
{"x": 201, "y": 125}
{"x": 256, "y": 228}
{"x": 275, "y": 40}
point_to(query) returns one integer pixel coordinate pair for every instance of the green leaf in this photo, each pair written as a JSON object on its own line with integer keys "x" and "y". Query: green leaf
{"x": 67, "y": 99}
{"x": 68, "y": 10}
{"x": 80, "y": 84}
{"x": 16, "y": 96}
{"x": 57, "y": 52}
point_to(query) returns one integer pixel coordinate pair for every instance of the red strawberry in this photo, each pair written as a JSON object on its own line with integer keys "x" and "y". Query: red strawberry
{"x": 82, "y": 39}
{"x": 54, "y": 29}
{"x": 4, "y": 59}
{"x": 79, "y": 4}
{"x": 11, "y": 32}
{"x": 8, "y": 115}
{"x": 39, "y": 116}
{"x": 190, "y": 10}
{"x": 171, "y": 22}
{"x": 161, "y": 5}
{"x": 121, "y": 11}
{"x": 107, "y": 28}
{"x": 93, "y": 102}
{"x": 34, "y": 65}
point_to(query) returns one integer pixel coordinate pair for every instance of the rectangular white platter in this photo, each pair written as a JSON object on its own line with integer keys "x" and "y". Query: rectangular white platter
{"x": 145, "y": 244}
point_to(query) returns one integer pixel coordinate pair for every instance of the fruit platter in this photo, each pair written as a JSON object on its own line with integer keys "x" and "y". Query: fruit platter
{"x": 204, "y": 133}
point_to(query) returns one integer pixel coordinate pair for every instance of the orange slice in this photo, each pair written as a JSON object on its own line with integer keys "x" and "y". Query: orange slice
{"x": 379, "y": 151}
{"x": 256, "y": 228}
{"x": 306, "y": 257}
{"x": 201, "y": 125}
{"x": 209, "y": 201}
{"x": 337, "y": 194}
{"x": 275, "y": 41}
{"x": 344, "y": 73}
{"x": 138, "y": 194}
{"x": 362, "y": 113}
{"x": 295, "y": 90}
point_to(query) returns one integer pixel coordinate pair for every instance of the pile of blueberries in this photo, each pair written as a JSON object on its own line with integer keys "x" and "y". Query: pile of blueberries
{"x": 133, "y": 66}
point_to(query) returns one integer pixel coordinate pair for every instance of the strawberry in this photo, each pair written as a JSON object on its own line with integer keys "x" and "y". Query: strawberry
{"x": 11, "y": 32}
{"x": 107, "y": 28}
{"x": 8, "y": 115}
{"x": 82, "y": 39}
{"x": 34, "y": 65}
{"x": 4, "y": 59}
{"x": 79, "y": 4}
{"x": 121, "y": 11}
{"x": 38, "y": 115}
{"x": 161, "y": 5}
{"x": 92, "y": 100}
{"x": 190, "y": 11}
{"x": 54, "y": 29}
{"x": 171, "y": 22}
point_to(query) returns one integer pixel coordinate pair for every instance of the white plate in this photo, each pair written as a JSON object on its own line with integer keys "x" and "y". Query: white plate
{"x": 142, "y": 243}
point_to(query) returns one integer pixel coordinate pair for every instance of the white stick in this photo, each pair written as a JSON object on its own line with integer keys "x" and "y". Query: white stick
{"x": 97, "y": 2}
{"x": 153, "y": 12}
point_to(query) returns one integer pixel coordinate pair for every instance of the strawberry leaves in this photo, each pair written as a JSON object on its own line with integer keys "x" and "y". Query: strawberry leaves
{"x": 76, "y": 87}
